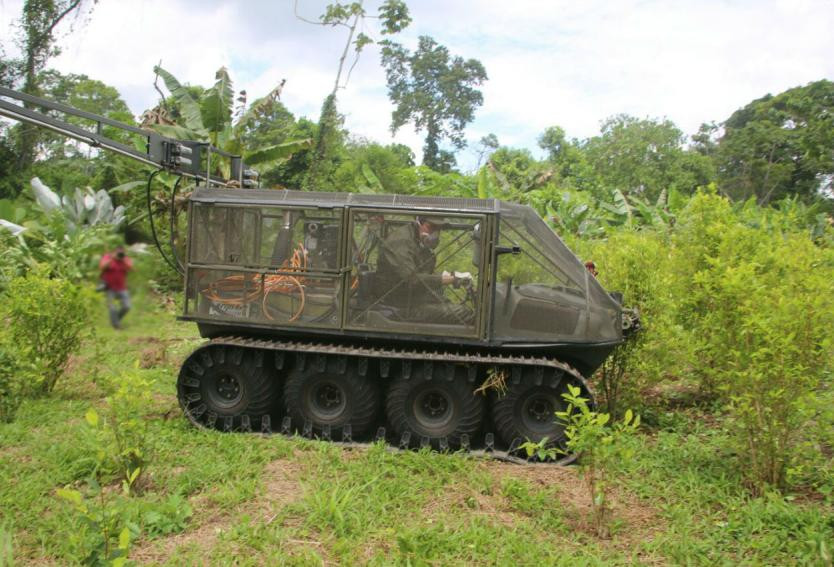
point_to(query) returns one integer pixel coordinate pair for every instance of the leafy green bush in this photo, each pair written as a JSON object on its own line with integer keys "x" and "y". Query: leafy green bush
{"x": 106, "y": 537}
{"x": 47, "y": 319}
{"x": 122, "y": 432}
{"x": 760, "y": 305}
{"x": 640, "y": 265}
{"x": 13, "y": 380}
{"x": 166, "y": 517}
{"x": 599, "y": 445}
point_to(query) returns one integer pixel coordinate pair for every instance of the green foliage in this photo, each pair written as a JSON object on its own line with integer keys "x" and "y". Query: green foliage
{"x": 167, "y": 517}
{"x": 326, "y": 149}
{"x": 435, "y": 91}
{"x": 6, "y": 547}
{"x": 11, "y": 382}
{"x": 108, "y": 536}
{"x": 62, "y": 237}
{"x": 644, "y": 157}
{"x": 123, "y": 444}
{"x": 599, "y": 445}
{"x": 779, "y": 146}
{"x": 738, "y": 303}
{"x": 47, "y": 319}
{"x": 208, "y": 115}
{"x": 640, "y": 266}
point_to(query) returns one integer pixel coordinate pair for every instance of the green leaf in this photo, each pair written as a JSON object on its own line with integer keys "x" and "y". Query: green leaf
{"x": 125, "y": 187}
{"x": 188, "y": 107}
{"x": 628, "y": 416}
{"x": 70, "y": 495}
{"x": 124, "y": 538}
{"x": 180, "y": 133}
{"x": 216, "y": 104}
{"x": 277, "y": 152}
{"x": 92, "y": 417}
{"x": 373, "y": 181}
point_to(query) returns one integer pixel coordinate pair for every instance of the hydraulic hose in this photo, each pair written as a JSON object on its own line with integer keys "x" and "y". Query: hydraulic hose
{"x": 173, "y": 215}
{"x": 153, "y": 227}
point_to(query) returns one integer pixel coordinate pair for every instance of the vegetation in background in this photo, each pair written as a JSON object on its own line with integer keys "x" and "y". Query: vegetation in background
{"x": 46, "y": 319}
{"x": 435, "y": 91}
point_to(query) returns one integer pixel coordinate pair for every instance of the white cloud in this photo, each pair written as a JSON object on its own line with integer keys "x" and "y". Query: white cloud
{"x": 549, "y": 62}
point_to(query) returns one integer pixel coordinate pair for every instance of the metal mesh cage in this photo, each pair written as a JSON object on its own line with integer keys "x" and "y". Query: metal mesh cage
{"x": 287, "y": 264}
{"x": 397, "y": 273}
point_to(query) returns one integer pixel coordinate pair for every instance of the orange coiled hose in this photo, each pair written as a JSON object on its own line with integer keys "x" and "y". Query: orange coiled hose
{"x": 217, "y": 291}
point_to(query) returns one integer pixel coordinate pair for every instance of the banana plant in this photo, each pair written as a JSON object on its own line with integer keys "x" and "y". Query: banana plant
{"x": 633, "y": 211}
{"x": 211, "y": 117}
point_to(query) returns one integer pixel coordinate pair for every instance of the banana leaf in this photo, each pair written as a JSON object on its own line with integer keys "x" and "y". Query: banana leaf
{"x": 216, "y": 105}
{"x": 373, "y": 181}
{"x": 277, "y": 152}
{"x": 188, "y": 107}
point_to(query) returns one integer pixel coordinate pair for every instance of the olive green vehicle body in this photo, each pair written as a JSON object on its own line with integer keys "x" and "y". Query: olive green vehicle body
{"x": 530, "y": 295}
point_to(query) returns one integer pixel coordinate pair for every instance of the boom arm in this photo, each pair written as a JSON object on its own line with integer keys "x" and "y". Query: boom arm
{"x": 181, "y": 157}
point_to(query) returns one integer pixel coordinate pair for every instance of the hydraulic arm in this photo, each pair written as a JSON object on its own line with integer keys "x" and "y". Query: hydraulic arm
{"x": 187, "y": 158}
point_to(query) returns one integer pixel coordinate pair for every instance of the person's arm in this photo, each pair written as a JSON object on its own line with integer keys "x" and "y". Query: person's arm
{"x": 128, "y": 263}
{"x": 404, "y": 263}
{"x": 104, "y": 262}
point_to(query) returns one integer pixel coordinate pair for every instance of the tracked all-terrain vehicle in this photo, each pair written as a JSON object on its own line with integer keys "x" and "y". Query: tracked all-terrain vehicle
{"x": 446, "y": 322}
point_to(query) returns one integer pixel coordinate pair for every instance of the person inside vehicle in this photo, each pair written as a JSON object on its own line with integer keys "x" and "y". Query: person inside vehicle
{"x": 406, "y": 277}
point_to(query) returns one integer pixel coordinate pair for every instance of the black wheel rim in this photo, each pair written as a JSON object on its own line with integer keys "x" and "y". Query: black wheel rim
{"x": 226, "y": 391}
{"x": 433, "y": 408}
{"x": 538, "y": 413}
{"x": 327, "y": 400}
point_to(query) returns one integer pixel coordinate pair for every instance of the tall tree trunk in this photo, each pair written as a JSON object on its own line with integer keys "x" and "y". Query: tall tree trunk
{"x": 431, "y": 150}
{"x": 40, "y": 18}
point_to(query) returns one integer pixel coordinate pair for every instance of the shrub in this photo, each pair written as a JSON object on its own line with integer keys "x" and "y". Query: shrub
{"x": 122, "y": 432}
{"x": 760, "y": 306}
{"x": 639, "y": 264}
{"x": 47, "y": 319}
{"x": 599, "y": 445}
{"x": 12, "y": 380}
{"x": 106, "y": 537}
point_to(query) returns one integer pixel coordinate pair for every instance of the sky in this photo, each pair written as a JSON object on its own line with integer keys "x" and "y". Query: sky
{"x": 549, "y": 62}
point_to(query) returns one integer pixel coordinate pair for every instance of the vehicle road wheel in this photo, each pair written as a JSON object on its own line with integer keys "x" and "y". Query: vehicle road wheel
{"x": 228, "y": 388}
{"x": 527, "y": 411}
{"x": 436, "y": 408}
{"x": 336, "y": 396}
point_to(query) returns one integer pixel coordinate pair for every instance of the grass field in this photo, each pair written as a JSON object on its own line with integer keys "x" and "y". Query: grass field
{"x": 244, "y": 499}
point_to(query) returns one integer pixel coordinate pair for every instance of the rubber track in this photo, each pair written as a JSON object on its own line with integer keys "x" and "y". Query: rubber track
{"x": 417, "y": 355}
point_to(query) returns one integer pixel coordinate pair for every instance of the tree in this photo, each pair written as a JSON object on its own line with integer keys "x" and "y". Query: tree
{"x": 486, "y": 145}
{"x": 569, "y": 160}
{"x": 38, "y": 24}
{"x": 435, "y": 91}
{"x": 394, "y": 17}
{"x": 372, "y": 167}
{"x": 779, "y": 146}
{"x": 643, "y": 157}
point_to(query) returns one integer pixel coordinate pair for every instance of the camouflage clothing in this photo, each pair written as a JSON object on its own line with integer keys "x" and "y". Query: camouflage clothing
{"x": 406, "y": 280}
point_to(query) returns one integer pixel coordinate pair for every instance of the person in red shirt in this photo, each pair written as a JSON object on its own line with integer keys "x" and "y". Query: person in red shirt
{"x": 114, "y": 268}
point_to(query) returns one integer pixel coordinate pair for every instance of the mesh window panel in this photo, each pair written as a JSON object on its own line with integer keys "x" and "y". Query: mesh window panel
{"x": 540, "y": 292}
{"x": 223, "y": 294}
{"x": 277, "y": 299}
{"x": 396, "y": 275}
{"x": 223, "y": 235}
